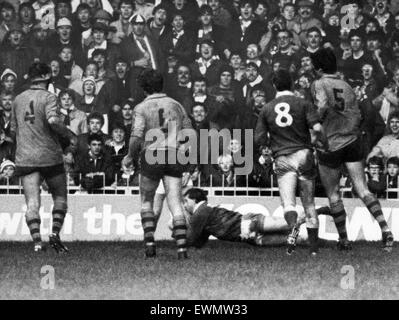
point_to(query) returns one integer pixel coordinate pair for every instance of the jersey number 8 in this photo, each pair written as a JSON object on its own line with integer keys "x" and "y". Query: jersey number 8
{"x": 283, "y": 119}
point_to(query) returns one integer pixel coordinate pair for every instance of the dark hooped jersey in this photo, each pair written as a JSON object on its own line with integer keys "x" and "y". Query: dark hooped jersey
{"x": 213, "y": 221}
{"x": 287, "y": 119}
{"x": 37, "y": 144}
{"x": 165, "y": 117}
{"x": 338, "y": 109}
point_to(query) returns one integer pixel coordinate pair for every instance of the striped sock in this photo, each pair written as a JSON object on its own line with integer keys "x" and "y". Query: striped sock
{"x": 180, "y": 233}
{"x": 34, "y": 228}
{"x": 373, "y": 205}
{"x": 339, "y": 215}
{"x": 58, "y": 220}
{"x": 148, "y": 223}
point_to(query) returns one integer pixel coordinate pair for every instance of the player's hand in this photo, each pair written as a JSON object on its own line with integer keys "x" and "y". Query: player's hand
{"x": 143, "y": 63}
{"x": 127, "y": 164}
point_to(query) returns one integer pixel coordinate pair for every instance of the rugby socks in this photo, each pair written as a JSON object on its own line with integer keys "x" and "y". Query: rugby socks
{"x": 34, "y": 228}
{"x": 180, "y": 233}
{"x": 313, "y": 235}
{"x": 339, "y": 215}
{"x": 291, "y": 218}
{"x": 58, "y": 221}
{"x": 374, "y": 206}
{"x": 148, "y": 223}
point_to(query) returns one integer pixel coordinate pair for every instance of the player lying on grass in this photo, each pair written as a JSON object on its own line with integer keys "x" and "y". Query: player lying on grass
{"x": 255, "y": 228}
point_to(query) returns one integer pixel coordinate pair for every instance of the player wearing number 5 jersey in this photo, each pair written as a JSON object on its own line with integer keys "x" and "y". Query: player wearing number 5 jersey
{"x": 159, "y": 118}
{"x": 341, "y": 119}
{"x": 37, "y": 127}
{"x": 288, "y": 120}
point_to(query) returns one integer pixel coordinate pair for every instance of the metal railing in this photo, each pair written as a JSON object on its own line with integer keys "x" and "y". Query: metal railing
{"x": 271, "y": 190}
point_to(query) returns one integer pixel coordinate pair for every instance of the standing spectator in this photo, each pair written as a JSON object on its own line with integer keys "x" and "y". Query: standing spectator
{"x": 117, "y": 148}
{"x": 105, "y": 70}
{"x": 143, "y": 8}
{"x": 7, "y": 147}
{"x": 82, "y": 22}
{"x": 286, "y": 55}
{"x": 5, "y": 115}
{"x": 123, "y": 27}
{"x": 74, "y": 119}
{"x": 394, "y": 63}
{"x": 200, "y": 95}
{"x": 63, "y": 9}
{"x": 376, "y": 180}
{"x": 384, "y": 17}
{"x": 157, "y": 25}
{"x": 94, "y": 168}
{"x": 37, "y": 41}
{"x": 221, "y": 16}
{"x": 8, "y": 81}
{"x": 26, "y": 17}
{"x": 388, "y": 101}
{"x": 91, "y": 70}
{"x": 307, "y": 19}
{"x": 392, "y": 173}
{"x": 181, "y": 89}
{"x": 127, "y": 119}
{"x": 69, "y": 69}
{"x": 7, "y": 14}
{"x": 236, "y": 62}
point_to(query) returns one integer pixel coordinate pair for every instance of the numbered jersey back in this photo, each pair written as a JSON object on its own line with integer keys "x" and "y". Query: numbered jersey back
{"x": 288, "y": 120}
{"x": 339, "y": 110}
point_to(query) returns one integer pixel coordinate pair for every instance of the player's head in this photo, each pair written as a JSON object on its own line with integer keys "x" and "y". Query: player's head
{"x": 282, "y": 80}
{"x": 39, "y": 73}
{"x": 150, "y": 81}
{"x": 324, "y": 61}
{"x": 193, "y": 197}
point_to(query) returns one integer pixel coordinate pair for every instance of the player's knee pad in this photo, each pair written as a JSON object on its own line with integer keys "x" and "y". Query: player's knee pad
{"x": 337, "y": 206}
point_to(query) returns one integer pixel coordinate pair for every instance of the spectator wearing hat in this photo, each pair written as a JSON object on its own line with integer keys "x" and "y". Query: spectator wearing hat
{"x": 91, "y": 70}
{"x": 14, "y": 54}
{"x": 99, "y": 35}
{"x": 115, "y": 92}
{"x": 307, "y": 19}
{"x": 8, "y": 81}
{"x": 178, "y": 40}
{"x": 7, "y": 170}
{"x": 123, "y": 27}
{"x": 26, "y": 17}
{"x": 245, "y": 30}
{"x": 208, "y": 30}
{"x": 140, "y": 52}
{"x": 62, "y": 38}
{"x": 208, "y": 64}
{"x": 7, "y": 14}
{"x": 100, "y": 16}
{"x": 157, "y": 25}
{"x": 221, "y": 16}
{"x": 74, "y": 119}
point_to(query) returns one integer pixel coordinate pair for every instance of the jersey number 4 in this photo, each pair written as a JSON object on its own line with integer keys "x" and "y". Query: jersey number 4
{"x": 30, "y": 116}
{"x": 339, "y": 101}
{"x": 283, "y": 119}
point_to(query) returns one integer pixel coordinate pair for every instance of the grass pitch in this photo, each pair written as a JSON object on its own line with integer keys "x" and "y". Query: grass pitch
{"x": 221, "y": 270}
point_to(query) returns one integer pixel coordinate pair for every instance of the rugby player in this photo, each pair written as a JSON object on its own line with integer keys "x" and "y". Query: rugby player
{"x": 288, "y": 120}
{"x": 37, "y": 128}
{"x": 340, "y": 115}
{"x": 254, "y": 228}
{"x": 165, "y": 118}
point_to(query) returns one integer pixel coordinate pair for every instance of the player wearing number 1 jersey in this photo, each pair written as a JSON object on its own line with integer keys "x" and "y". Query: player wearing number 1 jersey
{"x": 159, "y": 118}
{"x": 288, "y": 120}
{"x": 341, "y": 118}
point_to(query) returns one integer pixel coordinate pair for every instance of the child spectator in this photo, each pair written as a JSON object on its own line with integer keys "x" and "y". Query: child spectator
{"x": 376, "y": 180}
{"x": 7, "y": 170}
{"x": 392, "y": 173}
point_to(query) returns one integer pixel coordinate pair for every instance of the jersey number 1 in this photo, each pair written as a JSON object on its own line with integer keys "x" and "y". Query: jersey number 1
{"x": 283, "y": 119}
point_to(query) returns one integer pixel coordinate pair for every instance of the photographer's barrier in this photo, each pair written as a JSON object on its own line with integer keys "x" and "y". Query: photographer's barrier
{"x": 114, "y": 218}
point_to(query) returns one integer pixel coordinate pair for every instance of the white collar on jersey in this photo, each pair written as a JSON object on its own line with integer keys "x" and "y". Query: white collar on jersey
{"x": 284, "y": 93}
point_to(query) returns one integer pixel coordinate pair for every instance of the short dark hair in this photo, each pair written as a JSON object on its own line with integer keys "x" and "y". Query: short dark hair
{"x": 200, "y": 79}
{"x": 69, "y": 92}
{"x": 130, "y": 2}
{"x": 95, "y": 137}
{"x": 83, "y": 6}
{"x": 38, "y": 70}
{"x": 393, "y": 160}
{"x": 196, "y": 194}
{"x": 376, "y": 161}
{"x": 199, "y": 104}
{"x": 95, "y": 115}
{"x": 151, "y": 81}
{"x": 282, "y": 80}
{"x": 324, "y": 59}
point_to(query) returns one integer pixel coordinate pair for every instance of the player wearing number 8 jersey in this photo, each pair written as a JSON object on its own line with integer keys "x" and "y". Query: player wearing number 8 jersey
{"x": 162, "y": 118}
{"x": 340, "y": 114}
{"x": 288, "y": 120}
{"x": 37, "y": 127}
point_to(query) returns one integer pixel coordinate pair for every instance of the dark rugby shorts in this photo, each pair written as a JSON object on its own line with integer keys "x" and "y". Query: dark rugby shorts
{"x": 158, "y": 170}
{"x": 353, "y": 152}
{"x": 46, "y": 172}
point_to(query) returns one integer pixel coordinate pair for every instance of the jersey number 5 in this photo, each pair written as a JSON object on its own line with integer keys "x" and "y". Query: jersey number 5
{"x": 283, "y": 119}
{"x": 339, "y": 101}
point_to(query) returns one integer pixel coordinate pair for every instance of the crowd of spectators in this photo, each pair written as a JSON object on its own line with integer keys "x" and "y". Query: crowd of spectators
{"x": 217, "y": 58}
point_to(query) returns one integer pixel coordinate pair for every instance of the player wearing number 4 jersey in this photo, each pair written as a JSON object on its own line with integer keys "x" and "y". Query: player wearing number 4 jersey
{"x": 288, "y": 120}
{"x": 37, "y": 127}
{"x": 341, "y": 118}
{"x": 162, "y": 118}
